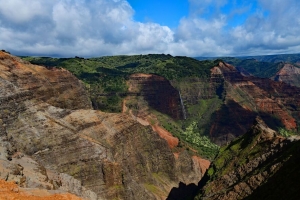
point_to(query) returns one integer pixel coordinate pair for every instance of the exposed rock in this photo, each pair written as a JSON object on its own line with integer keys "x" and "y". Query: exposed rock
{"x": 245, "y": 97}
{"x": 289, "y": 74}
{"x": 49, "y": 138}
{"x": 251, "y": 164}
{"x": 10, "y": 190}
{"x": 158, "y": 93}
{"x": 57, "y": 87}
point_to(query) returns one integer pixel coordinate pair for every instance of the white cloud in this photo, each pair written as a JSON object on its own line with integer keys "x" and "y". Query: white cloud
{"x": 19, "y": 11}
{"x": 106, "y": 27}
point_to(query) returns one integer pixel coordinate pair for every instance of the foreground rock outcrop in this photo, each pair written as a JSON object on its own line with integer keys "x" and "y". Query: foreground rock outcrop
{"x": 51, "y": 139}
{"x": 10, "y": 190}
{"x": 259, "y": 165}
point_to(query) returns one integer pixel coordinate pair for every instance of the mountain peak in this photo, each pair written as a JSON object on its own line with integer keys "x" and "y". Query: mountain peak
{"x": 260, "y": 127}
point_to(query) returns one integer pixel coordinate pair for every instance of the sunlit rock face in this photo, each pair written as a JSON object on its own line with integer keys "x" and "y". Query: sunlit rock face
{"x": 259, "y": 165}
{"x": 245, "y": 97}
{"x": 289, "y": 74}
{"x": 51, "y": 139}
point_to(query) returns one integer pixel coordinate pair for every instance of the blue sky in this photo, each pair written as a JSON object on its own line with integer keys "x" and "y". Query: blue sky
{"x": 169, "y": 12}
{"x": 164, "y": 12}
{"x": 90, "y": 28}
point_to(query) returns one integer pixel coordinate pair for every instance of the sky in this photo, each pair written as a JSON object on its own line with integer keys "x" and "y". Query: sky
{"x": 92, "y": 28}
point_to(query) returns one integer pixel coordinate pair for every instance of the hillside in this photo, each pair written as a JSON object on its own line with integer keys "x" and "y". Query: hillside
{"x": 51, "y": 139}
{"x": 258, "y": 165}
{"x": 268, "y": 66}
{"x": 291, "y": 58}
{"x": 108, "y": 80}
{"x": 106, "y": 76}
{"x": 159, "y": 135}
{"x": 188, "y": 98}
{"x": 289, "y": 73}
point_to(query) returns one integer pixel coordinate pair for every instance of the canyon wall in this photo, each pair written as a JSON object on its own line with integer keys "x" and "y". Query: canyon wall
{"x": 259, "y": 165}
{"x": 46, "y": 123}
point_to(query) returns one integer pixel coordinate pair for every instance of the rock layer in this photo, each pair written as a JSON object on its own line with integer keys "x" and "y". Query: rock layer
{"x": 246, "y": 97}
{"x": 57, "y": 87}
{"x": 259, "y": 165}
{"x": 158, "y": 93}
{"x": 46, "y": 123}
{"x": 289, "y": 73}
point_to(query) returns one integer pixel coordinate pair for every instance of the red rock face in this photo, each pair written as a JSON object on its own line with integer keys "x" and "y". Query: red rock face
{"x": 163, "y": 133}
{"x": 157, "y": 92}
{"x": 92, "y": 154}
{"x": 289, "y": 74}
{"x": 54, "y": 86}
{"x": 246, "y": 97}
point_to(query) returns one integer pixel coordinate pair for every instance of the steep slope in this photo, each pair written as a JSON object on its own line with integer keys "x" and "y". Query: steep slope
{"x": 204, "y": 93}
{"x": 255, "y": 67}
{"x": 245, "y": 97}
{"x": 53, "y": 86}
{"x": 157, "y": 92}
{"x": 259, "y": 165}
{"x": 51, "y": 139}
{"x": 106, "y": 76}
{"x": 289, "y": 74}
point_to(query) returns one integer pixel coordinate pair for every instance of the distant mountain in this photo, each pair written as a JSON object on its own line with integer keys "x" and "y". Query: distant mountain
{"x": 289, "y": 73}
{"x": 265, "y": 66}
{"x": 291, "y": 58}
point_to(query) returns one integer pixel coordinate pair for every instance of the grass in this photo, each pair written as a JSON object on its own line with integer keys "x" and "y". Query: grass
{"x": 154, "y": 189}
{"x": 105, "y": 77}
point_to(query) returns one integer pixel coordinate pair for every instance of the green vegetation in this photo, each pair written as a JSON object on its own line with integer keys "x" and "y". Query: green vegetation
{"x": 235, "y": 162}
{"x": 264, "y": 66}
{"x": 105, "y": 77}
{"x": 292, "y": 58}
{"x": 154, "y": 189}
{"x": 190, "y": 137}
{"x": 286, "y": 133}
{"x": 237, "y": 153}
{"x": 256, "y": 68}
{"x": 202, "y": 143}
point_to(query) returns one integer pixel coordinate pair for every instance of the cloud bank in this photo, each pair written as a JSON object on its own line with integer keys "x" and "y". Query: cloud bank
{"x": 90, "y": 28}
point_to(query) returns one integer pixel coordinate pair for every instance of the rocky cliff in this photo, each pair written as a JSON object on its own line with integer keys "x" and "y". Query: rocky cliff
{"x": 259, "y": 165}
{"x": 207, "y": 101}
{"x": 289, "y": 74}
{"x": 158, "y": 93}
{"x": 54, "y": 86}
{"x": 245, "y": 97}
{"x": 51, "y": 139}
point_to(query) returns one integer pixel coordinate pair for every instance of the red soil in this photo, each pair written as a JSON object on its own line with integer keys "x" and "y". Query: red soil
{"x": 10, "y": 191}
{"x": 163, "y": 133}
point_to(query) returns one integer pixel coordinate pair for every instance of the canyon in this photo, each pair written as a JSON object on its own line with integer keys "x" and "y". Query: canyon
{"x": 54, "y": 138}
{"x": 51, "y": 139}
